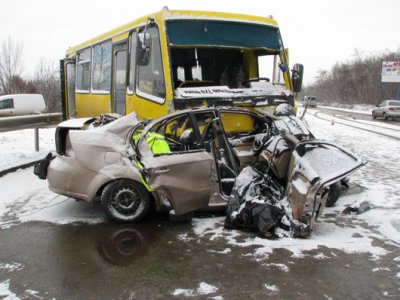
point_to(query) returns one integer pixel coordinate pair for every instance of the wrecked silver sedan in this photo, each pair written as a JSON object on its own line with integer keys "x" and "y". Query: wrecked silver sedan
{"x": 190, "y": 160}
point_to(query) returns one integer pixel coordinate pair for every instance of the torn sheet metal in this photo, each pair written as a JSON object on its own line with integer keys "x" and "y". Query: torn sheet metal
{"x": 256, "y": 204}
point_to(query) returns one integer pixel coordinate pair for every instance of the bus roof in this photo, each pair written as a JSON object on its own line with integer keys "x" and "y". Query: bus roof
{"x": 166, "y": 14}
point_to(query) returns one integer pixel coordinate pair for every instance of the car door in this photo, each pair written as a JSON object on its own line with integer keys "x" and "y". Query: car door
{"x": 314, "y": 166}
{"x": 381, "y": 108}
{"x": 181, "y": 176}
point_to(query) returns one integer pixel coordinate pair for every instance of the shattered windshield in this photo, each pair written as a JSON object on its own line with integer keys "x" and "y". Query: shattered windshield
{"x": 225, "y": 59}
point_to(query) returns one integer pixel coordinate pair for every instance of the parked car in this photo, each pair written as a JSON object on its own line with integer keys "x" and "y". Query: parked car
{"x": 21, "y": 104}
{"x": 189, "y": 160}
{"x": 387, "y": 109}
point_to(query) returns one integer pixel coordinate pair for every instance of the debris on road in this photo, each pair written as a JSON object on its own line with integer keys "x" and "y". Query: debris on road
{"x": 362, "y": 208}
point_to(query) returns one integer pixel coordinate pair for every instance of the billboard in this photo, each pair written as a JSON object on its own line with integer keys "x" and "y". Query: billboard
{"x": 391, "y": 71}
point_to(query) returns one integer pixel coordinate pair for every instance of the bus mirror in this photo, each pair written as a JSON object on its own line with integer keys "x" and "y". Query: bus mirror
{"x": 297, "y": 77}
{"x": 143, "y": 49}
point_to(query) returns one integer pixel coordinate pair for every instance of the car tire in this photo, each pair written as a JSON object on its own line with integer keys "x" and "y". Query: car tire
{"x": 125, "y": 200}
{"x": 334, "y": 194}
{"x": 373, "y": 116}
{"x": 385, "y": 116}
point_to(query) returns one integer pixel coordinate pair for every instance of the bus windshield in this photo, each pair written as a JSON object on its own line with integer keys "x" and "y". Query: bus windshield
{"x": 226, "y": 34}
{"x": 227, "y": 55}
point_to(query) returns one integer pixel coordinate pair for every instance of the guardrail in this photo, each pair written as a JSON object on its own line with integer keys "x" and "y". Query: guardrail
{"x": 30, "y": 121}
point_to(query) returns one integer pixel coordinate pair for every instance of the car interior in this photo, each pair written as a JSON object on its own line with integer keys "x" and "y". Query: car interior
{"x": 230, "y": 138}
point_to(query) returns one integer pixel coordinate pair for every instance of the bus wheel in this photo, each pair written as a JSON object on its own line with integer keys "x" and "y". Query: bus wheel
{"x": 125, "y": 200}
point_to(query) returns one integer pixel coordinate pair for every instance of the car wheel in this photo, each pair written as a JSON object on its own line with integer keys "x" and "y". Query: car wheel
{"x": 373, "y": 116}
{"x": 333, "y": 195}
{"x": 125, "y": 200}
{"x": 384, "y": 116}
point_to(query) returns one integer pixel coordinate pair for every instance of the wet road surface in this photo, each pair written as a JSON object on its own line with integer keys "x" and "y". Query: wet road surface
{"x": 151, "y": 260}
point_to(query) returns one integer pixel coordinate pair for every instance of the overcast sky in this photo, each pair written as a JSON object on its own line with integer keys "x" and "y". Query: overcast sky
{"x": 318, "y": 33}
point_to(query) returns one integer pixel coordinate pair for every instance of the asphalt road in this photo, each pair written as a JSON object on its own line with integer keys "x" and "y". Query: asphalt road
{"x": 150, "y": 260}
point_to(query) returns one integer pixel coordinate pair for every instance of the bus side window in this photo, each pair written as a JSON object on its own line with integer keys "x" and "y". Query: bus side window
{"x": 83, "y": 71}
{"x": 150, "y": 78}
{"x": 101, "y": 67}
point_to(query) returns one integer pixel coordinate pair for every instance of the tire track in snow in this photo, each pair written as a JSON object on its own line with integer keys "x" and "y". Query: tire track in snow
{"x": 357, "y": 127}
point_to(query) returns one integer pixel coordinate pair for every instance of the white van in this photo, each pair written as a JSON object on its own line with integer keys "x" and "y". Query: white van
{"x": 311, "y": 101}
{"x": 21, "y": 104}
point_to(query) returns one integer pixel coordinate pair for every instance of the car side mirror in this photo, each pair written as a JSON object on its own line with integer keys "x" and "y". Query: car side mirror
{"x": 297, "y": 77}
{"x": 143, "y": 51}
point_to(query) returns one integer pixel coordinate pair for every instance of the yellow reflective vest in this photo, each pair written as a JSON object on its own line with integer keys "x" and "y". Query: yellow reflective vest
{"x": 156, "y": 142}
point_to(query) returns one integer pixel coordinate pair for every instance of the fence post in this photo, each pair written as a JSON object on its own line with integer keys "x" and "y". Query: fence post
{"x": 36, "y": 139}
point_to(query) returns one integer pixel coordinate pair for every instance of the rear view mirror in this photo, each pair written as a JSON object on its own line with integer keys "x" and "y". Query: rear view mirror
{"x": 143, "y": 51}
{"x": 297, "y": 77}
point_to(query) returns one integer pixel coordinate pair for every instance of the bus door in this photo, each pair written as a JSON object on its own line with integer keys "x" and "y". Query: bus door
{"x": 69, "y": 73}
{"x": 119, "y": 78}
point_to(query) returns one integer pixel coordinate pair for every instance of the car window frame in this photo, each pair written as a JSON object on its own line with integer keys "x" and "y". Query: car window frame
{"x": 152, "y": 125}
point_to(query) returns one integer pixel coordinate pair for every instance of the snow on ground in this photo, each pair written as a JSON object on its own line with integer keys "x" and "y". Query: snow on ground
{"x": 31, "y": 200}
{"x": 381, "y": 127}
{"x": 360, "y": 109}
{"x": 26, "y": 198}
{"x": 202, "y": 290}
{"x": 18, "y": 147}
{"x": 11, "y": 267}
{"x": 7, "y": 294}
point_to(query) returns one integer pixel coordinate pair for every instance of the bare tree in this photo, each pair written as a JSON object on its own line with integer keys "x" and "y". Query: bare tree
{"x": 46, "y": 81}
{"x": 11, "y": 65}
{"x": 356, "y": 81}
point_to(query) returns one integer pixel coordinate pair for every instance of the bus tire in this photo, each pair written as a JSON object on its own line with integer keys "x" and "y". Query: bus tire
{"x": 125, "y": 200}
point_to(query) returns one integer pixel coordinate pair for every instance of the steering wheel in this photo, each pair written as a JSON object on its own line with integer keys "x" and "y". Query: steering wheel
{"x": 259, "y": 141}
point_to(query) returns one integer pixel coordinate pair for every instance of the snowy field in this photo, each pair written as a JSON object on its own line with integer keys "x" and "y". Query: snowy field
{"x": 29, "y": 199}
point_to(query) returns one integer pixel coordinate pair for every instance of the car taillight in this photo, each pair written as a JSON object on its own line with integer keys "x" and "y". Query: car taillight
{"x": 391, "y": 108}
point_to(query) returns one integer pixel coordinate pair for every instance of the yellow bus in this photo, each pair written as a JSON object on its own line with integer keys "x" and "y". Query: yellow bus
{"x": 173, "y": 59}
